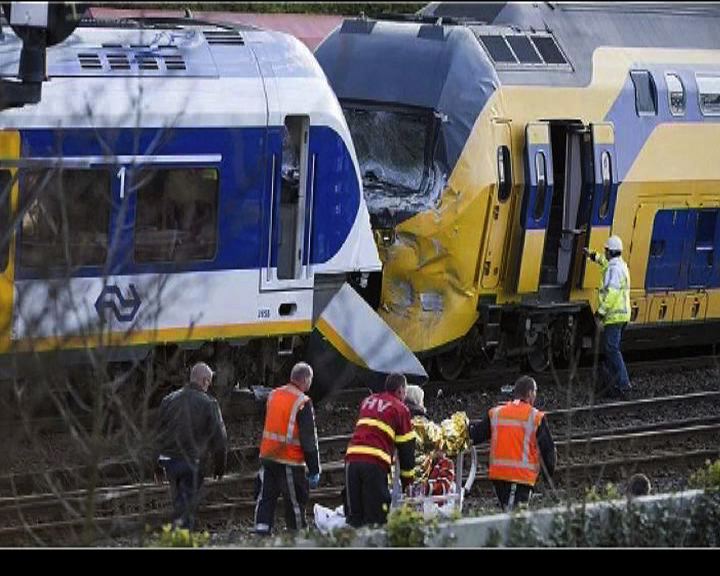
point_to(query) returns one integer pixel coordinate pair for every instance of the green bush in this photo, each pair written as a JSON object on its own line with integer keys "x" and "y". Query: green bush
{"x": 408, "y": 528}
{"x": 608, "y": 492}
{"x": 170, "y": 537}
{"x": 708, "y": 477}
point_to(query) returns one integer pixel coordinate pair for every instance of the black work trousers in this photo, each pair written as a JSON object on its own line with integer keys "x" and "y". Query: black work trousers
{"x": 367, "y": 493}
{"x": 272, "y": 480}
{"x": 510, "y": 494}
{"x": 185, "y": 480}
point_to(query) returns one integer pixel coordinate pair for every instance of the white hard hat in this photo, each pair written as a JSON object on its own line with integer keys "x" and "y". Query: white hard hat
{"x": 614, "y": 243}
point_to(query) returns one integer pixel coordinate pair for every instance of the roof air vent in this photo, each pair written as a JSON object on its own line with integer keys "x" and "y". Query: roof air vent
{"x": 89, "y": 61}
{"x": 223, "y": 37}
{"x": 174, "y": 62}
{"x": 146, "y": 62}
{"x": 118, "y": 61}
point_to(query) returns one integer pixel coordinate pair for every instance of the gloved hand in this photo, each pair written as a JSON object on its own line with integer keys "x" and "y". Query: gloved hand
{"x": 589, "y": 255}
{"x": 314, "y": 481}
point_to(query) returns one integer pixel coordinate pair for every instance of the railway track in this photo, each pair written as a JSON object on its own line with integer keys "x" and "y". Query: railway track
{"x": 242, "y": 404}
{"x": 122, "y": 472}
{"x": 57, "y": 503}
{"x": 122, "y": 508}
{"x": 238, "y": 508}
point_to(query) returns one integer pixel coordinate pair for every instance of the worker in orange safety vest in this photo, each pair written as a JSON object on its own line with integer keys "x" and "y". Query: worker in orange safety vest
{"x": 289, "y": 443}
{"x": 520, "y": 445}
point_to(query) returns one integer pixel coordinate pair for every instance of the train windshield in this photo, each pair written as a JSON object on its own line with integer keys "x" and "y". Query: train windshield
{"x": 395, "y": 150}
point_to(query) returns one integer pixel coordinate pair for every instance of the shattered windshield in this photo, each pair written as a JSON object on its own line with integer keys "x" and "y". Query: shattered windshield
{"x": 396, "y": 154}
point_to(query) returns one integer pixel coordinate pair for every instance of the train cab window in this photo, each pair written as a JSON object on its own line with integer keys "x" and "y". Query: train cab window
{"x": 606, "y": 173}
{"x": 645, "y": 93}
{"x": 65, "y": 217}
{"x": 541, "y": 193}
{"x": 504, "y": 173}
{"x": 676, "y": 94}
{"x": 176, "y": 214}
{"x": 709, "y": 94}
{"x": 5, "y": 187}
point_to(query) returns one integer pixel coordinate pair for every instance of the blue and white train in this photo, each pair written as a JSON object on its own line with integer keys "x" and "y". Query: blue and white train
{"x": 184, "y": 185}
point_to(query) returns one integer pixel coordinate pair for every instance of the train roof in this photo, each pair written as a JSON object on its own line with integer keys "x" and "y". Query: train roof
{"x": 182, "y": 72}
{"x": 526, "y": 43}
{"x": 164, "y": 46}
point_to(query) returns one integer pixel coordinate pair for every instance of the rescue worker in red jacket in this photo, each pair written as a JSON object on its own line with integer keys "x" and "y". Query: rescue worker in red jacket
{"x": 520, "y": 445}
{"x": 383, "y": 426}
{"x": 289, "y": 443}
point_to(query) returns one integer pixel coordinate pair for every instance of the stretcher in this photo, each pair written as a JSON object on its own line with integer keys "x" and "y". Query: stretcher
{"x": 444, "y": 504}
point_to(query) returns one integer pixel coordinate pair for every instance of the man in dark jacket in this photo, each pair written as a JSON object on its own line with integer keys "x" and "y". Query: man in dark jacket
{"x": 289, "y": 443}
{"x": 521, "y": 445}
{"x": 383, "y": 427}
{"x": 191, "y": 427}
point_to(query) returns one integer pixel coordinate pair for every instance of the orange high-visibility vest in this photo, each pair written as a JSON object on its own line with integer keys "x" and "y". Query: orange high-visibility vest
{"x": 281, "y": 439}
{"x": 513, "y": 448}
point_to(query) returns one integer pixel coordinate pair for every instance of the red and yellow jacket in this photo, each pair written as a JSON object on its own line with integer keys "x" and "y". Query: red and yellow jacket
{"x": 383, "y": 426}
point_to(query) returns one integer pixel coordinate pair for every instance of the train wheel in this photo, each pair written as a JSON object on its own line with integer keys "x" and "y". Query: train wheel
{"x": 450, "y": 364}
{"x": 538, "y": 359}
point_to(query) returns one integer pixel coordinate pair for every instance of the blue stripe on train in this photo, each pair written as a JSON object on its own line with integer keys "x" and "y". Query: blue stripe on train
{"x": 244, "y": 193}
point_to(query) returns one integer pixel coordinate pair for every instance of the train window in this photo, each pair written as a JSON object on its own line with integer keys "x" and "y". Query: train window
{"x": 5, "y": 187}
{"x": 176, "y": 214}
{"x": 549, "y": 50}
{"x": 645, "y": 93}
{"x": 709, "y": 94}
{"x": 504, "y": 173}
{"x": 498, "y": 49}
{"x": 606, "y": 172}
{"x": 705, "y": 236}
{"x": 657, "y": 248}
{"x": 291, "y": 215}
{"x": 66, "y": 216}
{"x": 396, "y": 151}
{"x": 541, "y": 193}
{"x": 676, "y": 94}
{"x": 523, "y": 49}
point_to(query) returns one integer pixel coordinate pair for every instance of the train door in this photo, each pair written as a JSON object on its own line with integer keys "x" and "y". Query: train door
{"x": 570, "y": 143}
{"x": 602, "y": 198}
{"x": 535, "y": 208}
{"x": 9, "y": 150}
{"x": 499, "y": 207}
{"x": 286, "y": 262}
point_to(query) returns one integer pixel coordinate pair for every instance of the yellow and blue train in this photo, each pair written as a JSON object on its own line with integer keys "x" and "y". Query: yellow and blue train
{"x": 496, "y": 140}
